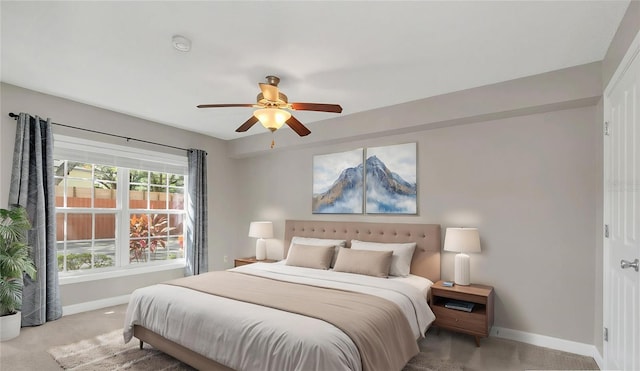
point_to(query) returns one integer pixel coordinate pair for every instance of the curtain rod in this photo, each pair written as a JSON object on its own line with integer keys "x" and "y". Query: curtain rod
{"x": 15, "y": 117}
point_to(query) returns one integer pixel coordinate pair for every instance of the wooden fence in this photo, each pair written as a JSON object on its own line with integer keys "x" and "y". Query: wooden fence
{"x": 79, "y": 226}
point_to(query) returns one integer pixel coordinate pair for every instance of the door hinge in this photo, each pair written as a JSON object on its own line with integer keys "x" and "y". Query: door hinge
{"x": 606, "y": 334}
{"x": 606, "y": 231}
{"x": 606, "y": 128}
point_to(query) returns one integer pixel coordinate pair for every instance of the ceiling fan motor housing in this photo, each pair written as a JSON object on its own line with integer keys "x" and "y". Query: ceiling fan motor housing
{"x": 282, "y": 100}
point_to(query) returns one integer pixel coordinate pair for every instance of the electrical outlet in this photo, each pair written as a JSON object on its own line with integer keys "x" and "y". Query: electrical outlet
{"x": 226, "y": 259}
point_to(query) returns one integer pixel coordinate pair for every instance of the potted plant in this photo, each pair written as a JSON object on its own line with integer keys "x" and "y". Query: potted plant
{"x": 14, "y": 261}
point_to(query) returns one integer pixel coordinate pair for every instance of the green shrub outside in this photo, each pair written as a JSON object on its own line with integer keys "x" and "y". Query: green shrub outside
{"x": 76, "y": 261}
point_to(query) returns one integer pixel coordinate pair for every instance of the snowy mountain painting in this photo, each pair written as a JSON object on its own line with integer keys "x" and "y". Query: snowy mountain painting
{"x": 390, "y": 180}
{"x": 337, "y": 183}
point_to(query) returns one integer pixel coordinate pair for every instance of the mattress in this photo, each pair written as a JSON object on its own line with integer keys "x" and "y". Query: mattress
{"x": 247, "y": 336}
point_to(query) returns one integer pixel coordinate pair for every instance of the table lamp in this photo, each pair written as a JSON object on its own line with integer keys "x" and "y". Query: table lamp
{"x": 462, "y": 241}
{"x": 261, "y": 230}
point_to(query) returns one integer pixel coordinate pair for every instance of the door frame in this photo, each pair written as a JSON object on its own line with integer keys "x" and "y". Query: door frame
{"x": 631, "y": 53}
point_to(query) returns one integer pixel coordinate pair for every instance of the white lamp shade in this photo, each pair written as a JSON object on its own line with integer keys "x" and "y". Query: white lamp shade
{"x": 261, "y": 230}
{"x": 462, "y": 240}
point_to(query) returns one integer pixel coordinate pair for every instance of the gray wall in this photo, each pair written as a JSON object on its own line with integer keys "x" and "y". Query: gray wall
{"x": 529, "y": 183}
{"x": 221, "y": 178}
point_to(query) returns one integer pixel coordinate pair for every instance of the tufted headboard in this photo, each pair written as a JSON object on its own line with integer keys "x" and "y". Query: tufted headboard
{"x": 426, "y": 258}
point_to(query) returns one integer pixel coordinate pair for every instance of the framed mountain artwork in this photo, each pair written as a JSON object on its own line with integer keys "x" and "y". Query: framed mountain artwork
{"x": 338, "y": 183}
{"x": 391, "y": 180}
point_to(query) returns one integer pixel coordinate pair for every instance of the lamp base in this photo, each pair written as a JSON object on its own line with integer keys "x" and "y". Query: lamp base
{"x": 261, "y": 249}
{"x": 462, "y": 276}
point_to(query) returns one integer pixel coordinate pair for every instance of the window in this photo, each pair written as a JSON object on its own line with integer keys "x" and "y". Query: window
{"x": 112, "y": 217}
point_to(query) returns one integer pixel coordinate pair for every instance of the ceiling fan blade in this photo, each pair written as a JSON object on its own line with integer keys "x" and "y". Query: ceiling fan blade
{"x": 225, "y": 105}
{"x": 269, "y": 92}
{"x": 321, "y": 107}
{"x": 247, "y": 125}
{"x": 297, "y": 126}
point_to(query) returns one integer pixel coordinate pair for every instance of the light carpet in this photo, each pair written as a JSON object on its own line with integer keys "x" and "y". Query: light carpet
{"x": 108, "y": 352}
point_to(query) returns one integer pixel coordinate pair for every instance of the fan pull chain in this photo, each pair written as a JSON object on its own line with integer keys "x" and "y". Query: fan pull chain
{"x": 273, "y": 143}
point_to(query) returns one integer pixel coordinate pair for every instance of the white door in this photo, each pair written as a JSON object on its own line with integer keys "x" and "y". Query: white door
{"x": 622, "y": 214}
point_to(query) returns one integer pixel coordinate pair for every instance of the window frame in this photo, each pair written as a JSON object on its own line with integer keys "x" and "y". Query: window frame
{"x": 88, "y": 151}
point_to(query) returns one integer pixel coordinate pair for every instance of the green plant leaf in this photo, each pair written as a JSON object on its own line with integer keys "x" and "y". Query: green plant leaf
{"x": 10, "y": 295}
{"x": 15, "y": 259}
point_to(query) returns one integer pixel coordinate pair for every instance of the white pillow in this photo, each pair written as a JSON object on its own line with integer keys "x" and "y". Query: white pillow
{"x": 401, "y": 258}
{"x": 319, "y": 242}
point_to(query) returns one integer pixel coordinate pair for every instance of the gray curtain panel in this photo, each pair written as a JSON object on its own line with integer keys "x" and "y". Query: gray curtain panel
{"x": 197, "y": 242}
{"x": 32, "y": 187}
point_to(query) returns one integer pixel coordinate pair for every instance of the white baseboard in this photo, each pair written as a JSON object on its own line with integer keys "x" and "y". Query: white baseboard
{"x": 582, "y": 349}
{"x": 93, "y": 305}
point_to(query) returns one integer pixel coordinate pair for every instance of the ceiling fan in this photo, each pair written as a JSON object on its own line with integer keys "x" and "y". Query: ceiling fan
{"x": 272, "y": 109}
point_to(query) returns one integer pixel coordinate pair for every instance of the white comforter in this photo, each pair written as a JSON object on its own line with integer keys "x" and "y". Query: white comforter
{"x": 246, "y": 336}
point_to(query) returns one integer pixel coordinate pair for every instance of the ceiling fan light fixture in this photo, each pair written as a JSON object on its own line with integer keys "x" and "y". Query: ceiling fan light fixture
{"x": 272, "y": 118}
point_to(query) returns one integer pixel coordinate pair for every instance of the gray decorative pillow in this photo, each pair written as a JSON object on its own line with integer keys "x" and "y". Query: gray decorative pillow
{"x": 401, "y": 258}
{"x": 308, "y": 256}
{"x": 368, "y": 262}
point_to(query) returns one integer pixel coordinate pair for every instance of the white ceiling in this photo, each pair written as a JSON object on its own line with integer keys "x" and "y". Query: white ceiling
{"x": 362, "y": 55}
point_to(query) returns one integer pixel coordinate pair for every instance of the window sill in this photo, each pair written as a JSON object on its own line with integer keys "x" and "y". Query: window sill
{"x": 78, "y": 278}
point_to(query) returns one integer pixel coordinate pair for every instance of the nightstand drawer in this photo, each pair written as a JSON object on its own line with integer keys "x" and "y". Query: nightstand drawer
{"x": 472, "y": 323}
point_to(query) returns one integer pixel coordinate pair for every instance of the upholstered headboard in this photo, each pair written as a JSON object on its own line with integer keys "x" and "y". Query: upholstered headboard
{"x": 426, "y": 258}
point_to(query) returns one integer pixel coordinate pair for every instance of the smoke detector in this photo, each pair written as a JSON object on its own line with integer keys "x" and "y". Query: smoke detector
{"x": 181, "y": 43}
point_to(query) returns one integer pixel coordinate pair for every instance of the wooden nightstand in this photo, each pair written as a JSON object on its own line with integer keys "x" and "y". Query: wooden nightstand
{"x": 244, "y": 261}
{"x": 478, "y": 322}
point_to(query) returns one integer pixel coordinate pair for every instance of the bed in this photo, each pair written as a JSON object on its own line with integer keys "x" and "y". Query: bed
{"x": 206, "y": 326}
